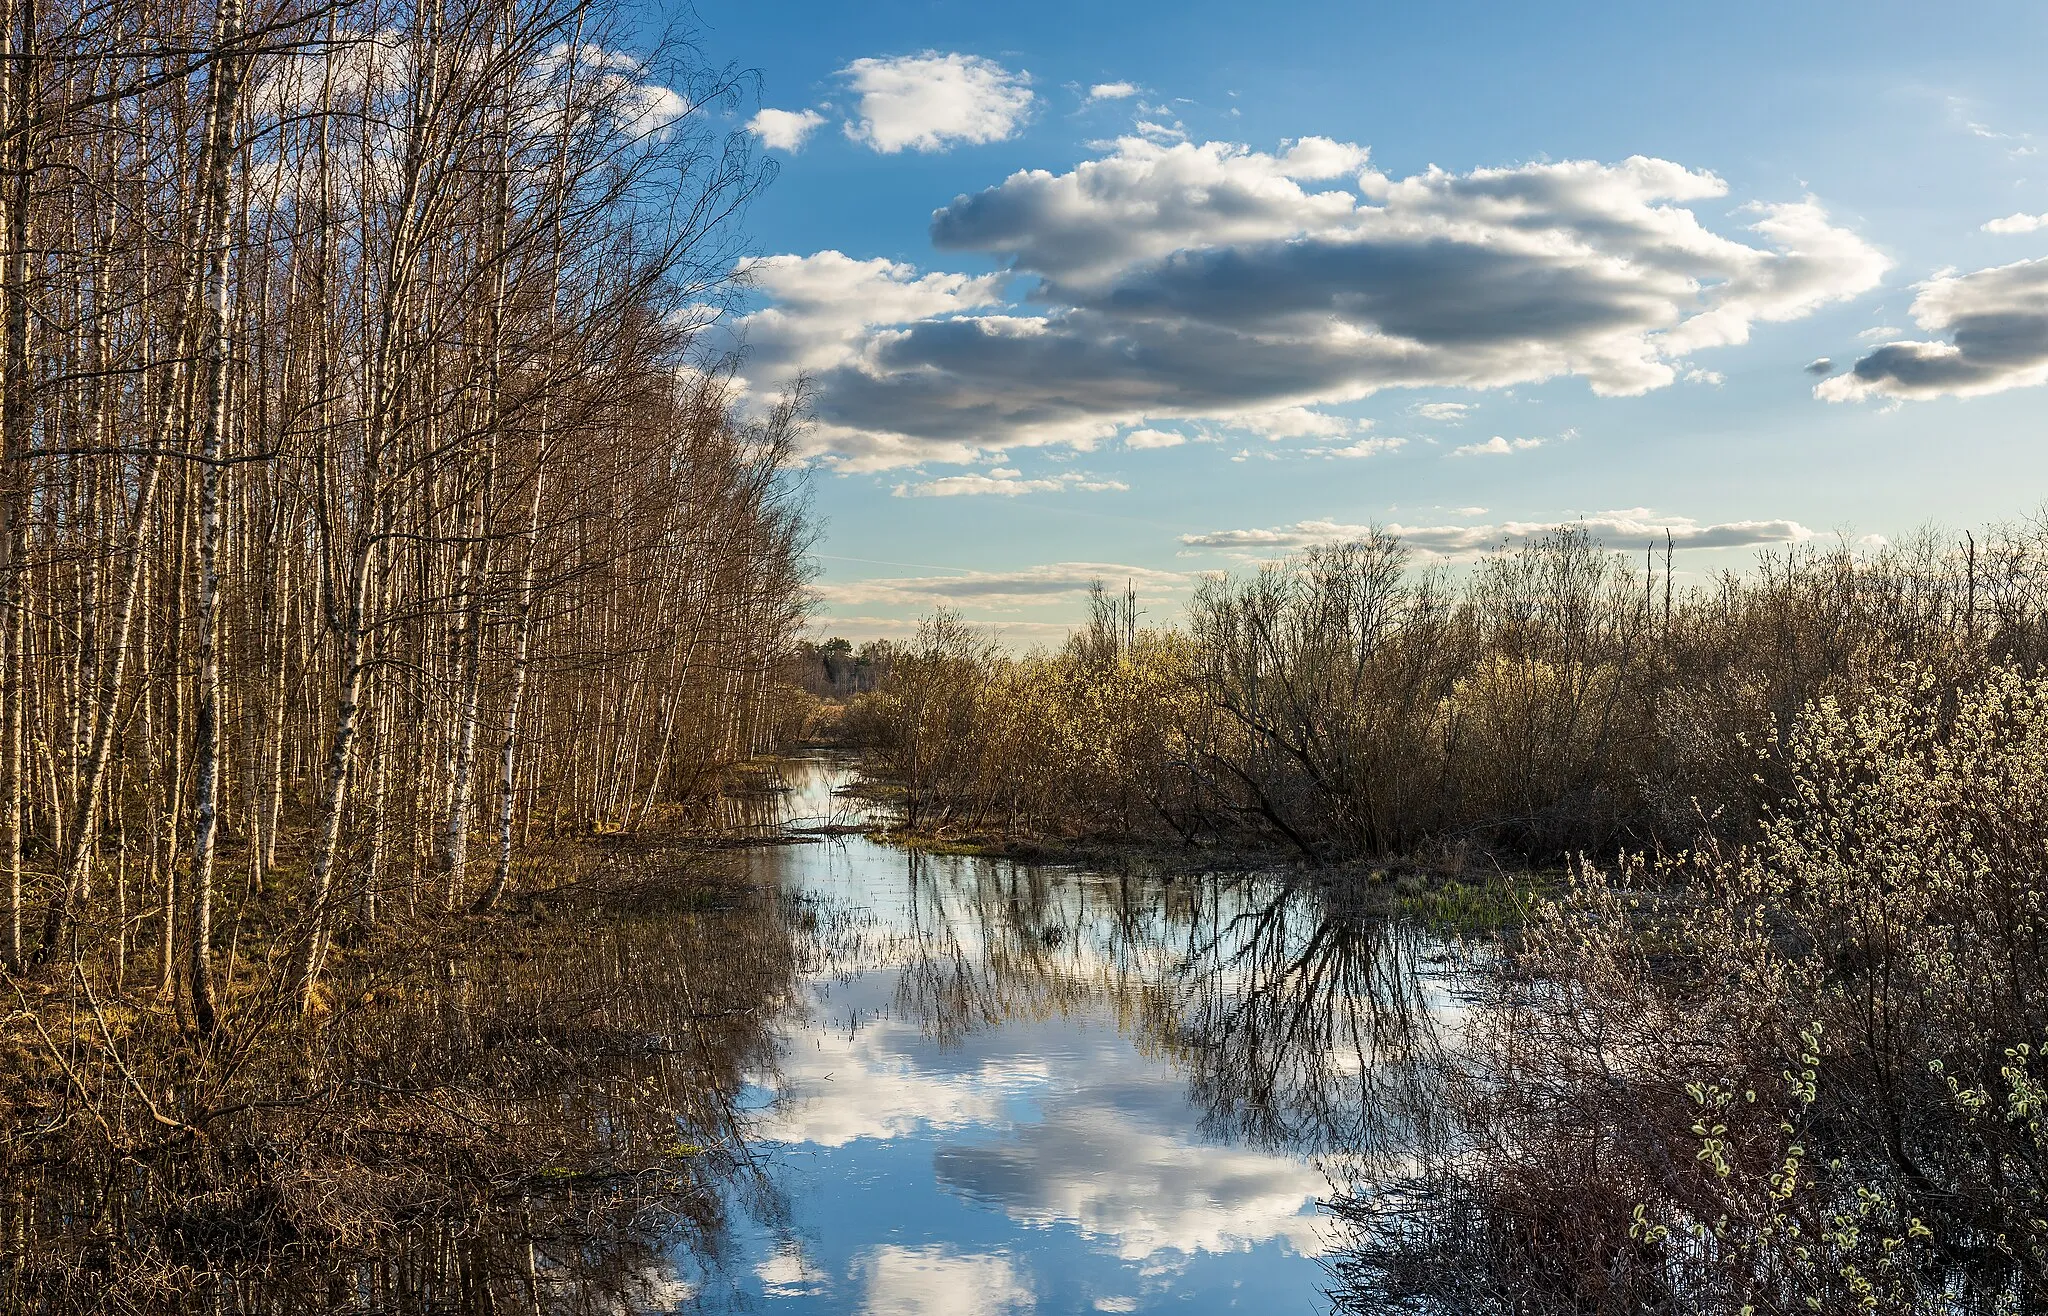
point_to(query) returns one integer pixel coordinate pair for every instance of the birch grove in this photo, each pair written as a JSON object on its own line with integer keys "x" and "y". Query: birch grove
{"x": 368, "y": 512}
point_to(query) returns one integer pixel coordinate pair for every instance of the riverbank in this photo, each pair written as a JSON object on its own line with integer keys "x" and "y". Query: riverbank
{"x": 531, "y": 1083}
{"x": 1459, "y": 890}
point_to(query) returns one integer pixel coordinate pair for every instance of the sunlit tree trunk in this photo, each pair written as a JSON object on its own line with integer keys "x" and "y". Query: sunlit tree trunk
{"x": 223, "y": 119}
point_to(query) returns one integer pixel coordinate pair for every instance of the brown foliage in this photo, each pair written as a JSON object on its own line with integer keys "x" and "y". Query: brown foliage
{"x": 1554, "y": 700}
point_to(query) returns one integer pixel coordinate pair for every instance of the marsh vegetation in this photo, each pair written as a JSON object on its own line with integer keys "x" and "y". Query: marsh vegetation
{"x": 1554, "y": 698}
{"x": 1773, "y": 1039}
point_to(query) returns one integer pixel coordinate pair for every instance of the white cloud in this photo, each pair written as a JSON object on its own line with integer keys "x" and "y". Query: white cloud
{"x": 1112, "y": 91}
{"x": 1449, "y": 412}
{"x": 858, "y": 627}
{"x": 1629, "y": 527}
{"x": 784, "y": 130}
{"x": 1151, "y": 438}
{"x": 648, "y": 110}
{"x": 1713, "y": 378}
{"x": 1142, "y": 1191}
{"x": 1821, "y": 365}
{"x": 1008, "y": 484}
{"x": 1879, "y": 333}
{"x": 1362, "y": 448}
{"x": 1144, "y": 201}
{"x": 825, "y": 308}
{"x": 1996, "y": 322}
{"x": 834, "y": 1089}
{"x": 2019, "y": 223}
{"x": 1214, "y": 283}
{"x": 935, "y": 1281}
{"x": 1296, "y": 423}
{"x": 931, "y": 101}
{"x": 1496, "y": 445}
{"x": 1024, "y": 587}
{"x": 788, "y": 1273}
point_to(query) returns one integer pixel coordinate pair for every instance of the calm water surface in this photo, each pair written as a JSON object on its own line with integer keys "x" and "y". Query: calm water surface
{"x": 1004, "y": 1088}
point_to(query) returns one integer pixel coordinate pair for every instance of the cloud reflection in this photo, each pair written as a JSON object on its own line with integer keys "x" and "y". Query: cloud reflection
{"x": 1140, "y": 1191}
{"x": 835, "y": 1088}
{"x": 932, "y": 1281}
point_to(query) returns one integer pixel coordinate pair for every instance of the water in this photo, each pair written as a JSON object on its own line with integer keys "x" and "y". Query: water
{"x": 804, "y": 1078}
{"x": 1002, "y": 1088}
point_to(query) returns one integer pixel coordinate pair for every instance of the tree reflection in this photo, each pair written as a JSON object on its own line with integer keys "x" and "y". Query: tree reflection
{"x": 1311, "y": 1027}
{"x": 1301, "y": 1015}
{"x": 549, "y": 1122}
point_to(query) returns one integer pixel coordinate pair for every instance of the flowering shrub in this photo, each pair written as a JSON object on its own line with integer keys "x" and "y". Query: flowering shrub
{"x": 1796, "y": 1075}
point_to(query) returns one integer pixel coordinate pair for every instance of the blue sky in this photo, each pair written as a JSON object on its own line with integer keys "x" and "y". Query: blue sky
{"x": 1143, "y": 290}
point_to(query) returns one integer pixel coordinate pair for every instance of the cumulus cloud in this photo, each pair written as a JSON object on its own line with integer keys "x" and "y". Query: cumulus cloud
{"x": 1008, "y": 484}
{"x": 1996, "y": 326}
{"x": 1140, "y": 1191}
{"x": 1297, "y": 423}
{"x": 1151, "y": 438}
{"x": 1496, "y": 446}
{"x": 1025, "y": 587}
{"x": 1152, "y": 130}
{"x": 1215, "y": 283}
{"x": 789, "y": 1273}
{"x": 825, "y": 303}
{"x": 1112, "y": 91}
{"x": 838, "y": 1088}
{"x": 935, "y": 1281}
{"x": 784, "y": 130}
{"x": 1450, "y": 412}
{"x": 1820, "y": 366}
{"x": 932, "y": 101}
{"x": 1628, "y": 526}
{"x": 2019, "y": 223}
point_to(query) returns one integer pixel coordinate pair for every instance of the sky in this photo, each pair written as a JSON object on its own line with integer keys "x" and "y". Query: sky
{"x": 1137, "y": 292}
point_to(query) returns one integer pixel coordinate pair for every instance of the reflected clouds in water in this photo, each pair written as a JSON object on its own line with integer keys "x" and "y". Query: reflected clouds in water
{"x": 932, "y": 1281}
{"x": 1004, "y": 1087}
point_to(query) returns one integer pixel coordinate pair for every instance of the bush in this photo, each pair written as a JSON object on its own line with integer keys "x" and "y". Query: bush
{"x": 1558, "y": 700}
{"x": 1805, "y": 1074}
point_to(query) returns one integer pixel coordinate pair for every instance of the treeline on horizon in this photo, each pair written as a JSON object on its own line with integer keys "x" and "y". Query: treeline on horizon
{"x": 1551, "y": 700}
{"x": 365, "y": 506}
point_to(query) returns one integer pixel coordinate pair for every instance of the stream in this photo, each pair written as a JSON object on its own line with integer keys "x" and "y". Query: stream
{"x": 1005, "y": 1088}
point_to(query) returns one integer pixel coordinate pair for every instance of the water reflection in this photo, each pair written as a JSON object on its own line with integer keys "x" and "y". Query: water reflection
{"x": 546, "y": 1124}
{"x": 1011, "y": 1087}
{"x": 845, "y": 1079}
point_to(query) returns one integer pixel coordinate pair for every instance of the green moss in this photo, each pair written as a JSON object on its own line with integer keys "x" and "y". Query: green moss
{"x": 1473, "y": 905}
